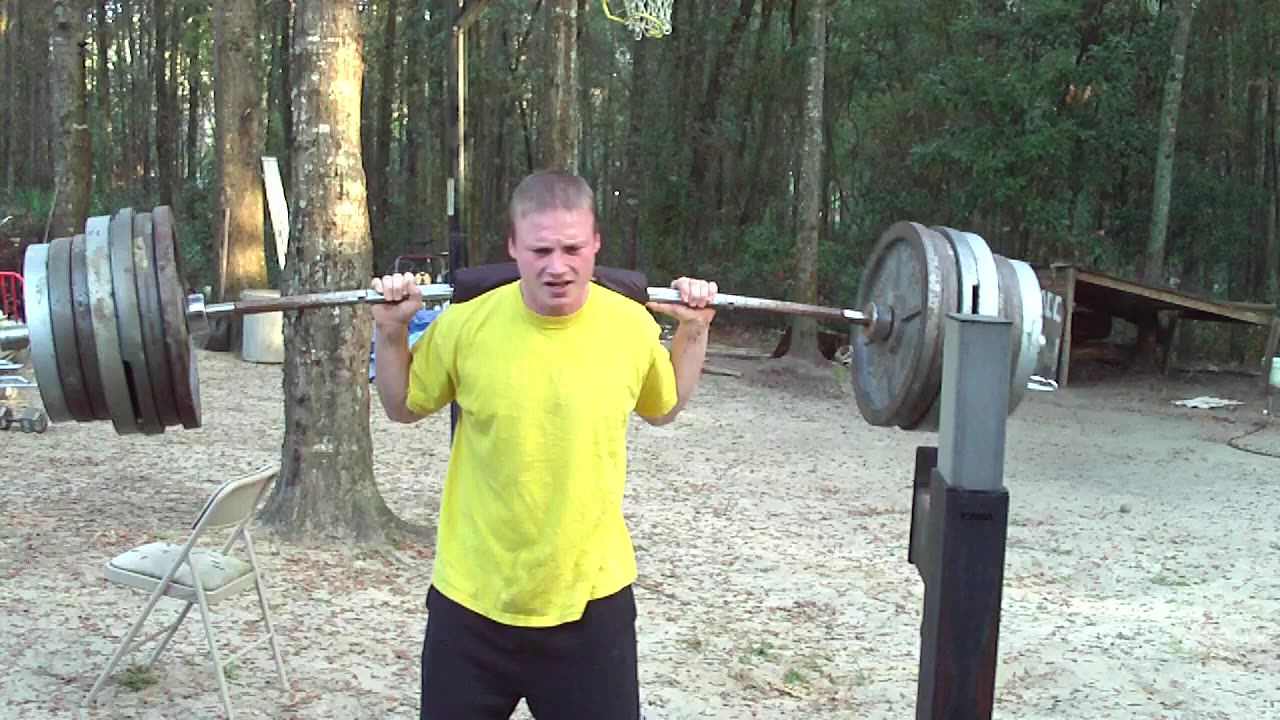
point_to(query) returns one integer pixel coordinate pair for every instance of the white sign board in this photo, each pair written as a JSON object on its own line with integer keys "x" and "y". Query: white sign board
{"x": 1054, "y": 309}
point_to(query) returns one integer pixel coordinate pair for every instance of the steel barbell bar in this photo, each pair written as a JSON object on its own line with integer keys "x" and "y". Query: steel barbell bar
{"x": 198, "y": 312}
{"x": 112, "y": 332}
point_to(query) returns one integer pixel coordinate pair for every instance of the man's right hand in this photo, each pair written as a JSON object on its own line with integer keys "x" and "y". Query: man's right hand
{"x": 403, "y": 299}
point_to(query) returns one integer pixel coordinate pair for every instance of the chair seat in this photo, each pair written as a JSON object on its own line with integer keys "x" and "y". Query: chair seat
{"x": 146, "y": 565}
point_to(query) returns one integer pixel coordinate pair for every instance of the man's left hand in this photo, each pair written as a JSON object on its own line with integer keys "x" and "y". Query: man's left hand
{"x": 695, "y": 301}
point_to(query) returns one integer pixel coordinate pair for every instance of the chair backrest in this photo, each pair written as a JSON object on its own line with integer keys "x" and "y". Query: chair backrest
{"x": 234, "y": 502}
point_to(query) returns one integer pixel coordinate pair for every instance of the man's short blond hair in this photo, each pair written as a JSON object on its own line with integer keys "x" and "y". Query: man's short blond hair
{"x": 551, "y": 190}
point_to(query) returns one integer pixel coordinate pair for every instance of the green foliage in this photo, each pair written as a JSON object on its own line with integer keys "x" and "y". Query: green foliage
{"x": 1031, "y": 123}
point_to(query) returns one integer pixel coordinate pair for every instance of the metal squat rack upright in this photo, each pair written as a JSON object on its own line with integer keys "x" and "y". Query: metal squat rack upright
{"x": 959, "y": 522}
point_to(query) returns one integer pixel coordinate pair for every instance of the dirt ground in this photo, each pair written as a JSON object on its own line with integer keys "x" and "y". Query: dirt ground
{"x": 771, "y": 528}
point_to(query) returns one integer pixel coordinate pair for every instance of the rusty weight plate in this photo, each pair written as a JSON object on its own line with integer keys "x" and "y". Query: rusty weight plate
{"x": 106, "y": 337}
{"x": 179, "y": 346}
{"x": 151, "y": 313}
{"x": 910, "y": 274}
{"x": 129, "y": 323}
{"x": 44, "y": 357}
{"x": 62, "y": 313}
{"x": 82, "y": 309}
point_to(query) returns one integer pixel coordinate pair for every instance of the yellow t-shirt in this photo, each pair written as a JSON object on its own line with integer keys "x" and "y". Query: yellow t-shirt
{"x": 531, "y": 523}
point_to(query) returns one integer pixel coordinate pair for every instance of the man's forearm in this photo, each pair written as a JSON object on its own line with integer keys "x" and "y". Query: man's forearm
{"x": 688, "y": 352}
{"x": 391, "y": 373}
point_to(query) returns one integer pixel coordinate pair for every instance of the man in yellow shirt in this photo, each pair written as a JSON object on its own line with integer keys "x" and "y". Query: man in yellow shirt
{"x": 531, "y": 593}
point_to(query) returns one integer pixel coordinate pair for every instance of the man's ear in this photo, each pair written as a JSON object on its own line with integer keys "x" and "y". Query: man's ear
{"x": 511, "y": 246}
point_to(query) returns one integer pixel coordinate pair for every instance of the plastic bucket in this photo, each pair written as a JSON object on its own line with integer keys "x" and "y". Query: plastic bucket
{"x": 263, "y": 338}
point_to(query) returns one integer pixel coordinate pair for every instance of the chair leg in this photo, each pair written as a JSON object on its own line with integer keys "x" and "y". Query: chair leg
{"x": 123, "y": 647}
{"x": 213, "y": 650}
{"x": 164, "y": 642}
{"x": 260, "y": 585}
{"x": 271, "y": 631}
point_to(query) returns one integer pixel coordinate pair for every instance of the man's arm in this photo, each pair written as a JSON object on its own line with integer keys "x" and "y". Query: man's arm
{"x": 688, "y": 352}
{"x": 395, "y": 375}
{"x": 689, "y": 346}
{"x": 391, "y": 373}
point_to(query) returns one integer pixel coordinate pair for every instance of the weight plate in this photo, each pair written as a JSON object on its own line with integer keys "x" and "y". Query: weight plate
{"x": 966, "y": 268}
{"x": 183, "y": 373}
{"x": 106, "y": 336}
{"x": 129, "y": 323}
{"x": 988, "y": 280}
{"x": 62, "y": 312}
{"x": 952, "y": 279}
{"x": 1031, "y": 335}
{"x": 44, "y": 357}
{"x": 1011, "y": 310}
{"x": 82, "y": 309}
{"x": 152, "y": 319}
{"x": 911, "y": 275}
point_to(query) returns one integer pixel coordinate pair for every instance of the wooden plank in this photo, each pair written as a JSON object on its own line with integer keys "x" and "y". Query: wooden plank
{"x": 1224, "y": 310}
{"x": 713, "y": 370}
{"x": 1064, "y": 354}
{"x": 277, "y": 207}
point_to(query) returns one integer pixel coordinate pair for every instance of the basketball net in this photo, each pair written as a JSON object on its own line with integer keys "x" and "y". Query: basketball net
{"x": 644, "y": 17}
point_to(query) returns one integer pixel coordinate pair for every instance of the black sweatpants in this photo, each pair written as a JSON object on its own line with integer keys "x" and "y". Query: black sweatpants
{"x": 476, "y": 669}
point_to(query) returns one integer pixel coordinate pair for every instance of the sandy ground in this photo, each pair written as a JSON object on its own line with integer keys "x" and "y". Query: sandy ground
{"x": 1142, "y": 578}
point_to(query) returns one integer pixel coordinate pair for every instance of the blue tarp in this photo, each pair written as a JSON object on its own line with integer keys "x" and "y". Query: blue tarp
{"x": 417, "y": 326}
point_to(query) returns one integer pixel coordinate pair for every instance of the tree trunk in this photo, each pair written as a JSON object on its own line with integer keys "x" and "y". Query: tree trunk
{"x": 380, "y": 169}
{"x": 804, "y": 341}
{"x": 417, "y": 154}
{"x": 194, "y": 84}
{"x": 637, "y": 159}
{"x": 8, "y": 134}
{"x": 708, "y": 146}
{"x": 1271, "y": 252}
{"x": 166, "y": 151}
{"x": 561, "y": 120}
{"x": 1153, "y": 265}
{"x": 236, "y": 121}
{"x": 72, "y": 155}
{"x": 326, "y": 483}
{"x": 106, "y": 154}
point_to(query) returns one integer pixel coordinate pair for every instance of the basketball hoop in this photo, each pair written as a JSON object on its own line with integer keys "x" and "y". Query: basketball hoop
{"x": 644, "y": 17}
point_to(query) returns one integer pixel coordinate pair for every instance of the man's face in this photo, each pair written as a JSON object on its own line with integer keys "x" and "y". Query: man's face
{"x": 555, "y": 251}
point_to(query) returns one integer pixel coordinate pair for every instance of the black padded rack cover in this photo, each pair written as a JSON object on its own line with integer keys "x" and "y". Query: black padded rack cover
{"x": 472, "y": 282}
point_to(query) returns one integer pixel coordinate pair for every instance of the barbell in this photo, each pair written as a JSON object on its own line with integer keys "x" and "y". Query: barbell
{"x": 112, "y": 329}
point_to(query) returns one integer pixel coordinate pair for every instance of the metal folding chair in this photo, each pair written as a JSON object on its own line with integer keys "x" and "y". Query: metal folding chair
{"x": 166, "y": 569}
